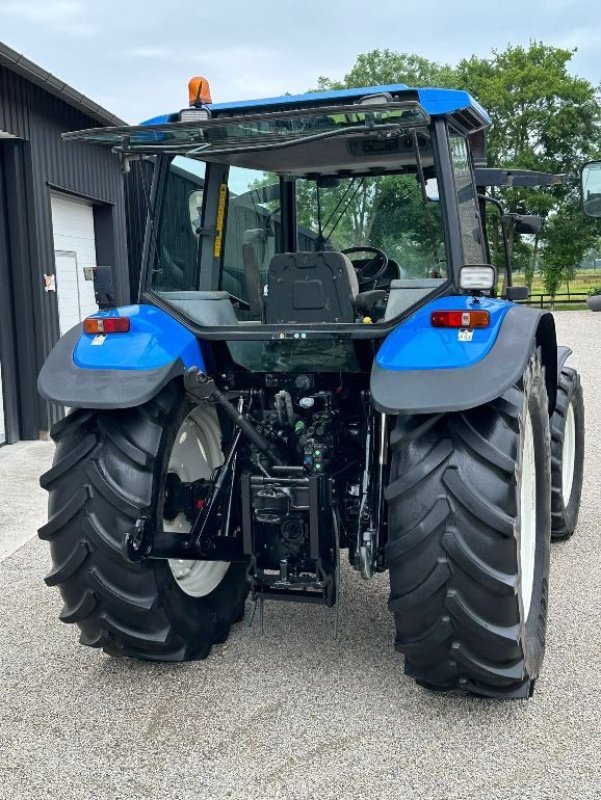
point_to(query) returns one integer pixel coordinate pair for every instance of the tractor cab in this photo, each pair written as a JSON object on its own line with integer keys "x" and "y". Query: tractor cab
{"x": 333, "y": 212}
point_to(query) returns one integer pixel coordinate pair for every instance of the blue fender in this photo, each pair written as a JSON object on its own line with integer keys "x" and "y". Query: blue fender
{"x": 420, "y": 369}
{"x": 119, "y": 370}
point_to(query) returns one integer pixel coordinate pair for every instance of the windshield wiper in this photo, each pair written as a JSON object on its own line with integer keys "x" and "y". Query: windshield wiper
{"x": 425, "y": 199}
{"x": 354, "y": 191}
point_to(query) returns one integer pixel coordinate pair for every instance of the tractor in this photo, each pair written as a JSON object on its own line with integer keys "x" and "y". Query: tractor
{"x": 321, "y": 358}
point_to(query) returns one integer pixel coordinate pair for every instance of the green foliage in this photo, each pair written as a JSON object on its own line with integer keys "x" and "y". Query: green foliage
{"x": 407, "y": 231}
{"x": 544, "y": 118}
{"x": 385, "y": 212}
{"x": 567, "y": 236}
{"x": 594, "y": 291}
{"x": 381, "y": 67}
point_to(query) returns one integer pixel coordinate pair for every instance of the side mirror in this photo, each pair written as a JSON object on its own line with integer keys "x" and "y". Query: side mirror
{"x": 327, "y": 182}
{"x": 514, "y": 293}
{"x": 432, "y": 192}
{"x": 524, "y": 223}
{"x": 103, "y": 286}
{"x": 590, "y": 181}
{"x": 195, "y": 209}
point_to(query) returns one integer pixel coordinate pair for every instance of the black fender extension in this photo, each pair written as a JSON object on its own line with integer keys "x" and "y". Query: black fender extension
{"x": 62, "y": 381}
{"x": 434, "y": 391}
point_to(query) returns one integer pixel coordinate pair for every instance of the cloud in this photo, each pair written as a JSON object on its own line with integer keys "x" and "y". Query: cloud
{"x": 146, "y": 50}
{"x": 65, "y": 16}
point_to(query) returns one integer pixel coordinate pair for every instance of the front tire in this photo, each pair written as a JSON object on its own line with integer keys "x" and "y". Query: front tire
{"x": 468, "y": 552}
{"x": 109, "y": 470}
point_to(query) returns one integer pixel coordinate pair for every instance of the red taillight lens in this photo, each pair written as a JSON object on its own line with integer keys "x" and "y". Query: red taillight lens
{"x": 95, "y": 325}
{"x": 460, "y": 319}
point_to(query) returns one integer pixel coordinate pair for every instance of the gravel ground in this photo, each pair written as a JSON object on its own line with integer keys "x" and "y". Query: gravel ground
{"x": 21, "y": 498}
{"x": 295, "y": 714}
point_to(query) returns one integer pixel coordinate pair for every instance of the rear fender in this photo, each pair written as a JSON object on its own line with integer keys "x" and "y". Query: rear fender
{"x": 119, "y": 370}
{"x": 424, "y": 370}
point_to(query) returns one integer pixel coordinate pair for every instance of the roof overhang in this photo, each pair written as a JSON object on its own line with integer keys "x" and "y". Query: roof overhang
{"x": 455, "y": 104}
{"x": 22, "y": 66}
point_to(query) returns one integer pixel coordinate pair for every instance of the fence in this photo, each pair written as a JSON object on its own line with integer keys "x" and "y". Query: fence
{"x": 563, "y": 298}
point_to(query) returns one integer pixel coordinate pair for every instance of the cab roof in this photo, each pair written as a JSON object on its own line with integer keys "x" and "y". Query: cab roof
{"x": 436, "y": 102}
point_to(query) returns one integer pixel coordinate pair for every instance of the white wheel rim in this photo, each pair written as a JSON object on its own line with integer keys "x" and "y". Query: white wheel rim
{"x": 568, "y": 456}
{"x": 195, "y": 454}
{"x": 528, "y": 516}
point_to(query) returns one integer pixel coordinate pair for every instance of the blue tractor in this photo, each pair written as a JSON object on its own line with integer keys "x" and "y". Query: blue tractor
{"x": 321, "y": 358}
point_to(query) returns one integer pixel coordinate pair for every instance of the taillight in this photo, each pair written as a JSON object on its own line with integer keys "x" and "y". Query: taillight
{"x": 460, "y": 319}
{"x": 95, "y": 325}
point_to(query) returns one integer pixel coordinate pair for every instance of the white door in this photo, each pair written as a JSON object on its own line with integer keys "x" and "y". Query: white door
{"x": 74, "y": 249}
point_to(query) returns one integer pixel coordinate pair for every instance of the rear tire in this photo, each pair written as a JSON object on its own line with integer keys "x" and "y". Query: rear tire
{"x": 109, "y": 470}
{"x": 468, "y": 547}
{"x": 567, "y": 455}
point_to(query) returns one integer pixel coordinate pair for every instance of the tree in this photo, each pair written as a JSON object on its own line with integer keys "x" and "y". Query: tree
{"x": 544, "y": 119}
{"x": 567, "y": 238}
{"x": 383, "y": 67}
{"x": 386, "y": 212}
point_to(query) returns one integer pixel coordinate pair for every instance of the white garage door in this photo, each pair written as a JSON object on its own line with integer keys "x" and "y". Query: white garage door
{"x": 74, "y": 249}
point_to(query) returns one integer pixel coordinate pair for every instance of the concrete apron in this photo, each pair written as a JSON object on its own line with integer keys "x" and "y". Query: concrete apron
{"x": 22, "y": 501}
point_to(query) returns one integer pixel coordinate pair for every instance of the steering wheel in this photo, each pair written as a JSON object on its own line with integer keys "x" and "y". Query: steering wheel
{"x": 372, "y": 269}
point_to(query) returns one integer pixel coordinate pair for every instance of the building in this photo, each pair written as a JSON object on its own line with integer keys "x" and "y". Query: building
{"x": 62, "y": 208}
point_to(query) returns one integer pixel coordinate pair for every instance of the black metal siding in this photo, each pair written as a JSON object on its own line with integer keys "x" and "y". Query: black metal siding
{"x": 8, "y": 351}
{"x": 26, "y": 313}
{"x": 41, "y": 164}
{"x": 13, "y": 104}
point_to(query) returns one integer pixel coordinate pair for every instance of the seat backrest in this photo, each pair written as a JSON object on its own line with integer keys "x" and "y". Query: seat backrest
{"x": 309, "y": 287}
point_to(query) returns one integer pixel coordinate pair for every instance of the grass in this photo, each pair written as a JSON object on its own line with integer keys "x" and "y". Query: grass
{"x": 583, "y": 281}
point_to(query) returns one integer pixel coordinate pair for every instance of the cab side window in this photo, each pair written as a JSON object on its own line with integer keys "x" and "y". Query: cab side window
{"x": 469, "y": 215}
{"x": 178, "y": 243}
{"x": 252, "y": 232}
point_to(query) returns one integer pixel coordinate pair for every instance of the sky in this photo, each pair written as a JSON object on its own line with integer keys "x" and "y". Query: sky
{"x": 135, "y": 58}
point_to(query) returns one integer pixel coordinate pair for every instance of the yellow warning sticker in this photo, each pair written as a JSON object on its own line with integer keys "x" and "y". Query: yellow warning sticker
{"x": 218, "y": 245}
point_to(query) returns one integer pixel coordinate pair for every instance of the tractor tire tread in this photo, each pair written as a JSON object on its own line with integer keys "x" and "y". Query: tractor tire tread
{"x": 452, "y": 507}
{"x": 127, "y": 609}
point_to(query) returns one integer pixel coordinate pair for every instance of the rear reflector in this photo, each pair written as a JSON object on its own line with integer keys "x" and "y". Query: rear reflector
{"x": 96, "y": 325}
{"x": 460, "y": 319}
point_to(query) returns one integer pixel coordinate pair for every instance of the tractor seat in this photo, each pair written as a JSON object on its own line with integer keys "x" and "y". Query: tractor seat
{"x": 310, "y": 287}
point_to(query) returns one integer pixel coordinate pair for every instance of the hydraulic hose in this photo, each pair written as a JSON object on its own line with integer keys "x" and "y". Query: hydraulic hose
{"x": 202, "y": 387}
